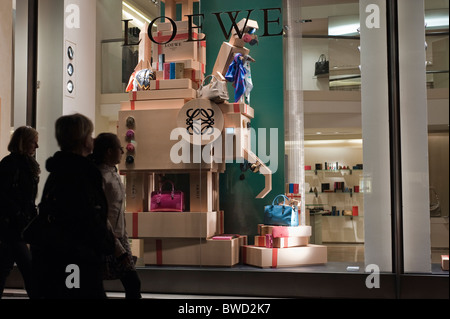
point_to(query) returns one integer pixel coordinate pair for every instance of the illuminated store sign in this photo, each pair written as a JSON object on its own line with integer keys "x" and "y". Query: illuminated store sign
{"x": 232, "y": 16}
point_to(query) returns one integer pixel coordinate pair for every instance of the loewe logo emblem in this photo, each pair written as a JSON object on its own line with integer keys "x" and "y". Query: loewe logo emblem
{"x": 205, "y": 118}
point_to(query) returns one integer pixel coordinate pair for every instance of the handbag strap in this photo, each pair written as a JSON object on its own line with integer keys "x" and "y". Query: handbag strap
{"x": 173, "y": 187}
{"x": 276, "y": 199}
{"x": 209, "y": 76}
{"x": 322, "y": 58}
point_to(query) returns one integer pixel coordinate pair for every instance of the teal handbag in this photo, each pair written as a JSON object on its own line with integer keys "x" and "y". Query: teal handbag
{"x": 281, "y": 215}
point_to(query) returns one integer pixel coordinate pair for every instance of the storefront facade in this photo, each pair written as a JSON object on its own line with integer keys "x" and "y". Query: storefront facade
{"x": 362, "y": 146}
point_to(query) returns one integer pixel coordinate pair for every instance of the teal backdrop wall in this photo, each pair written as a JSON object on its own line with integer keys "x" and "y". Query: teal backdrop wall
{"x": 243, "y": 212}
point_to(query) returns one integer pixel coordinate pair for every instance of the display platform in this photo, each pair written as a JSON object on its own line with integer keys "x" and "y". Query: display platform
{"x": 174, "y": 224}
{"x": 192, "y": 251}
{"x": 284, "y": 257}
{"x": 330, "y": 280}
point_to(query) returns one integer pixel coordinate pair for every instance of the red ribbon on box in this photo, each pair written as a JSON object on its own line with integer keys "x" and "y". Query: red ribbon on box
{"x": 159, "y": 260}
{"x": 221, "y": 221}
{"x": 244, "y": 254}
{"x": 274, "y": 257}
{"x": 135, "y": 225}
{"x": 237, "y": 108}
{"x": 132, "y": 102}
{"x": 261, "y": 241}
{"x": 269, "y": 241}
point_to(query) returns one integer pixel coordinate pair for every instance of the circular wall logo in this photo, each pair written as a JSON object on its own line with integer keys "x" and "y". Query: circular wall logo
{"x": 200, "y": 122}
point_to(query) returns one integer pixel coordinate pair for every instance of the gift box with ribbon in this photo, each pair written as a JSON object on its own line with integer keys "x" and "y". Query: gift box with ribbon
{"x": 284, "y": 257}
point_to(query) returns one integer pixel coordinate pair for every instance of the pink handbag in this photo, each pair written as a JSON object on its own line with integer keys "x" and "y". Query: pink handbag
{"x": 167, "y": 201}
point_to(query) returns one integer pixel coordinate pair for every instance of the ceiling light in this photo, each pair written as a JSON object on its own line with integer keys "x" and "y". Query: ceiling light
{"x": 135, "y": 21}
{"x": 136, "y": 12}
{"x": 436, "y": 18}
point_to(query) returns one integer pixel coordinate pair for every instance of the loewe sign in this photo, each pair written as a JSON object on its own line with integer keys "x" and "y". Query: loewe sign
{"x": 233, "y": 16}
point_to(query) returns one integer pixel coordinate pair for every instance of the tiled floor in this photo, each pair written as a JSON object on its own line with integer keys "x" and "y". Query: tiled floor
{"x": 355, "y": 253}
{"x": 345, "y": 253}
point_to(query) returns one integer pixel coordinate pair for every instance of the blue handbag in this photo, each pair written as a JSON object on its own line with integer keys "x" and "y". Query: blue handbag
{"x": 281, "y": 215}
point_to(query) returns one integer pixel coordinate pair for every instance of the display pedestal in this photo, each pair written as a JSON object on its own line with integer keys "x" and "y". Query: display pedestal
{"x": 283, "y": 246}
{"x": 284, "y": 257}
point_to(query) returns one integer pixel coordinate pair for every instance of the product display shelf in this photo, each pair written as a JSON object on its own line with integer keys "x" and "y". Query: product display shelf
{"x": 331, "y": 172}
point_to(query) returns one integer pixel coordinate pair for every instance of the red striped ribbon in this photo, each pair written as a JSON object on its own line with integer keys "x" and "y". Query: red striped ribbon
{"x": 274, "y": 257}
{"x": 159, "y": 256}
{"x": 135, "y": 225}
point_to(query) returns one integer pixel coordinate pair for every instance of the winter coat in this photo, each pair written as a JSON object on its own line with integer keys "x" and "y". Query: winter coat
{"x": 18, "y": 190}
{"x": 74, "y": 189}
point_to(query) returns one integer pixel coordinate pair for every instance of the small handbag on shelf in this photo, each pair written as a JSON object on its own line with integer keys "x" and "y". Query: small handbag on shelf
{"x": 215, "y": 91}
{"x": 167, "y": 201}
{"x": 322, "y": 66}
{"x": 281, "y": 215}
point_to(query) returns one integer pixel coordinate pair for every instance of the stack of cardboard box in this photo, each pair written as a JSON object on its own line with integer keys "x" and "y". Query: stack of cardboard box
{"x": 184, "y": 239}
{"x": 146, "y": 122}
{"x": 284, "y": 246}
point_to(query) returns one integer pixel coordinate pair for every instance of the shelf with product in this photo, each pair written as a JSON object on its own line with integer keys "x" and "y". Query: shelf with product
{"x": 335, "y": 204}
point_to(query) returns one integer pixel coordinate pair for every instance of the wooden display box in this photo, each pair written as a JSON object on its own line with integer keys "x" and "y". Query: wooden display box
{"x": 444, "y": 262}
{"x": 137, "y": 249}
{"x": 189, "y": 65}
{"x": 167, "y": 26}
{"x": 285, "y": 231}
{"x": 240, "y": 108}
{"x": 154, "y": 149}
{"x": 142, "y": 96}
{"x": 284, "y": 257}
{"x": 226, "y": 56}
{"x": 133, "y": 105}
{"x": 282, "y": 242}
{"x": 191, "y": 252}
{"x": 173, "y": 224}
{"x": 179, "y": 48}
{"x": 165, "y": 85}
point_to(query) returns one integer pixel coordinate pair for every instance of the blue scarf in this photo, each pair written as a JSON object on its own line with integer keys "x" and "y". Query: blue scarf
{"x": 236, "y": 74}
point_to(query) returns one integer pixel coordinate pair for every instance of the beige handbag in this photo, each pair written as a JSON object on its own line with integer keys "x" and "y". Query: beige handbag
{"x": 215, "y": 91}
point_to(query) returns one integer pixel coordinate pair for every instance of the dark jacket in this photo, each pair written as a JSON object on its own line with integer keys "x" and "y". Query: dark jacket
{"x": 18, "y": 190}
{"x": 79, "y": 203}
{"x": 74, "y": 202}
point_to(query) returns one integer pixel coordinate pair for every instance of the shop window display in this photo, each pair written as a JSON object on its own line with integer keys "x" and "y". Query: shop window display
{"x": 326, "y": 210}
{"x": 221, "y": 186}
{"x": 203, "y": 124}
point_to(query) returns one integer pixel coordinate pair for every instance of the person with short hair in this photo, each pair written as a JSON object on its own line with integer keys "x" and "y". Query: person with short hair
{"x": 107, "y": 154}
{"x": 69, "y": 266}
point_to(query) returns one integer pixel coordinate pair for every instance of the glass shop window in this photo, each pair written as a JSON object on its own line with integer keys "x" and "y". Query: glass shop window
{"x": 437, "y": 66}
{"x": 335, "y": 182}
